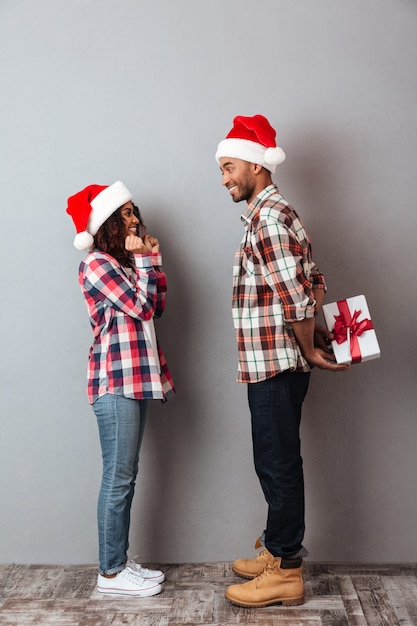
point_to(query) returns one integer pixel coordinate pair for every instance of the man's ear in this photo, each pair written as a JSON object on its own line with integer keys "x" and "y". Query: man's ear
{"x": 256, "y": 168}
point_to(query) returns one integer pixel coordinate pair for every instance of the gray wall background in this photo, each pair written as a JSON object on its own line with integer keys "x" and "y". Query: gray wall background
{"x": 143, "y": 91}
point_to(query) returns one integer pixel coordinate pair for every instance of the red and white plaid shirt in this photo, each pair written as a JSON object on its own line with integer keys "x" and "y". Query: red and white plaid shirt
{"x": 125, "y": 358}
{"x": 273, "y": 279}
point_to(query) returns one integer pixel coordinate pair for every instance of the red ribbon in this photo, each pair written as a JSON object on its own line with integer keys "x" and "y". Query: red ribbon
{"x": 347, "y": 326}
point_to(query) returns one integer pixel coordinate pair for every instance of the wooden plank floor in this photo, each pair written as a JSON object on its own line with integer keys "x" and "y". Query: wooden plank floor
{"x": 336, "y": 595}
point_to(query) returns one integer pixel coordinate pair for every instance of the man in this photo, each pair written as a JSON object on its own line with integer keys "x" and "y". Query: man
{"x": 277, "y": 292}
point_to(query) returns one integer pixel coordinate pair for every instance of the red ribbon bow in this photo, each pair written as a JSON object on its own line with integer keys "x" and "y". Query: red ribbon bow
{"x": 347, "y": 327}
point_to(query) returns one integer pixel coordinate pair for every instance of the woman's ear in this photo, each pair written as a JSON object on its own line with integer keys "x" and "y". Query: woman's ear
{"x": 113, "y": 228}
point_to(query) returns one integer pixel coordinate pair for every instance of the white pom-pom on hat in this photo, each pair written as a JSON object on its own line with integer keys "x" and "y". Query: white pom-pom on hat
{"x": 83, "y": 241}
{"x": 274, "y": 156}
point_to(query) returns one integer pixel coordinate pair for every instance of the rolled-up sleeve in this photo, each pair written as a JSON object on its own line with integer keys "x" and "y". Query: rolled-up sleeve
{"x": 286, "y": 269}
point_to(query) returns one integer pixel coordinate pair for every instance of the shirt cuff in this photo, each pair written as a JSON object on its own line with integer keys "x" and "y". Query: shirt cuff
{"x": 143, "y": 261}
{"x": 319, "y": 282}
{"x": 156, "y": 259}
{"x": 299, "y": 313}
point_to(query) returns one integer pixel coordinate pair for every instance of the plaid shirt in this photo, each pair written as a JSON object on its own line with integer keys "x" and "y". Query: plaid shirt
{"x": 122, "y": 303}
{"x": 273, "y": 279}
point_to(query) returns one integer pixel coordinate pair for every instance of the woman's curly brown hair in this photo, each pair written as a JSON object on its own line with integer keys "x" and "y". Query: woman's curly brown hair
{"x": 110, "y": 237}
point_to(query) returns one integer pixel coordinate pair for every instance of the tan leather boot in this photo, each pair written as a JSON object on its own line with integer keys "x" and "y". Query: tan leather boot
{"x": 281, "y": 581}
{"x": 249, "y": 568}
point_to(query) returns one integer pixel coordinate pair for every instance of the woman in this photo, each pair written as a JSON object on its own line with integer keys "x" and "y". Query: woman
{"x": 124, "y": 288}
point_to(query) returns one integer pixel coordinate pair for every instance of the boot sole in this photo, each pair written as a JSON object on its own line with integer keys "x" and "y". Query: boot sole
{"x": 281, "y": 601}
{"x": 243, "y": 575}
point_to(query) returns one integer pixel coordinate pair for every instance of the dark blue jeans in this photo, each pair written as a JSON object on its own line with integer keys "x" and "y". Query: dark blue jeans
{"x": 275, "y": 406}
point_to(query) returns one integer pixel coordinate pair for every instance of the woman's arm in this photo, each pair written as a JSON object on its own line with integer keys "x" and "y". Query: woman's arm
{"x": 104, "y": 280}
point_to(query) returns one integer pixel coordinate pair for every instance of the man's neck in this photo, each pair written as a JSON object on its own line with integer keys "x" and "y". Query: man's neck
{"x": 263, "y": 184}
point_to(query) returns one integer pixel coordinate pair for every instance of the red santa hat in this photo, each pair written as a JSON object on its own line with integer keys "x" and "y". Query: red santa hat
{"x": 91, "y": 207}
{"x": 252, "y": 139}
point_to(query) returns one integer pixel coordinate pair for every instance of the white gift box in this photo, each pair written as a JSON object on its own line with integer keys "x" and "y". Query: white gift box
{"x": 351, "y": 322}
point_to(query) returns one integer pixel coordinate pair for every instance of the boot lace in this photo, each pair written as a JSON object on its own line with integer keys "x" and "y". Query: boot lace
{"x": 263, "y": 553}
{"x": 267, "y": 570}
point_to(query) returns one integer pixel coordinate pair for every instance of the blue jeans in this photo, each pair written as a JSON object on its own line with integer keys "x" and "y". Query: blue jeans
{"x": 275, "y": 406}
{"x": 121, "y": 423}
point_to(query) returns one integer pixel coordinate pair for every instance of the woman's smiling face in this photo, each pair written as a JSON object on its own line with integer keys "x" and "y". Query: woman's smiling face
{"x": 130, "y": 220}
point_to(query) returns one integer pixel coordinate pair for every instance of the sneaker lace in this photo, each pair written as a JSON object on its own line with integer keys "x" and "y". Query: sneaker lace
{"x": 138, "y": 568}
{"x": 132, "y": 576}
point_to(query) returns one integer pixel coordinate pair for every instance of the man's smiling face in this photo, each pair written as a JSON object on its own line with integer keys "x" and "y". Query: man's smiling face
{"x": 239, "y": 178}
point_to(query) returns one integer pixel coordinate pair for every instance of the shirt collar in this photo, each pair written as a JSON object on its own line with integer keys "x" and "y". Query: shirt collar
{"x": 252, "y": 207}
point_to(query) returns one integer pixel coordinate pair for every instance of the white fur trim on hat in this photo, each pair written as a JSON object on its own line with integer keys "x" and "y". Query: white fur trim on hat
{"x": 250, "y": 151}
{"x": 106, "y": 203}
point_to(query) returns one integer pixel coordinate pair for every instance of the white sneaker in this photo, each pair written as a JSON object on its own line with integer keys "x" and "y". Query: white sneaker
{"x": 128, "y": 583}
{"x": 149, "y": 574}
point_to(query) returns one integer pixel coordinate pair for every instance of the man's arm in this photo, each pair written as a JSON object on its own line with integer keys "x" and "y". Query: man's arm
{"x": 315, "y": 357}
{"x": 281, "y": 254}
{"x": 318, "y": 295}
